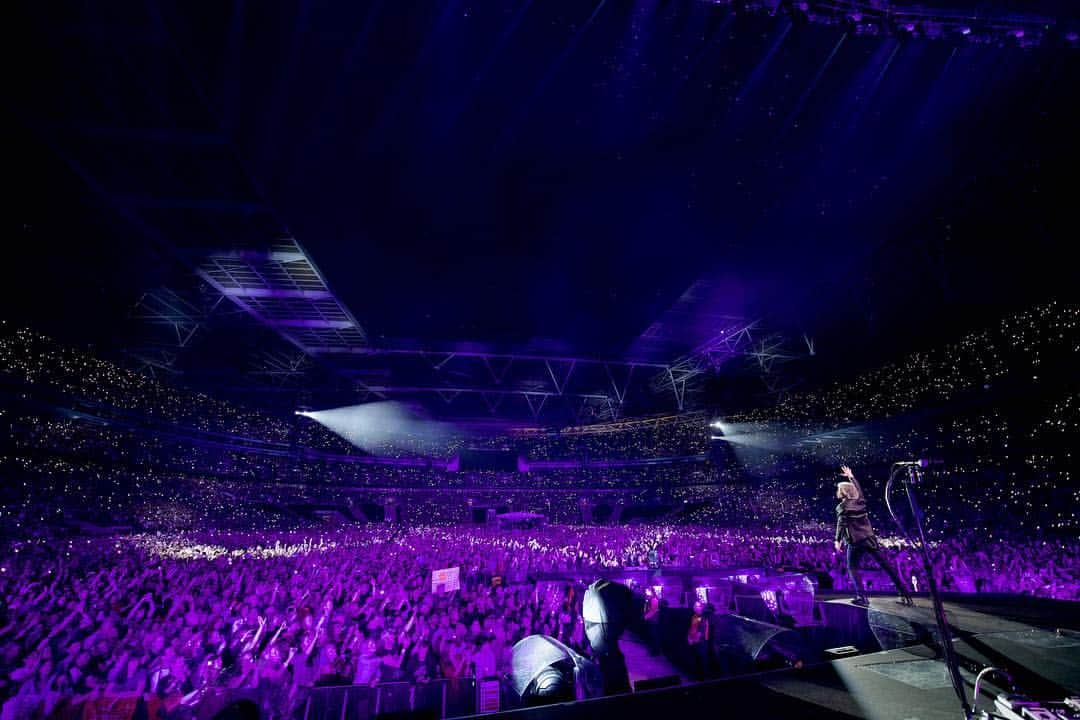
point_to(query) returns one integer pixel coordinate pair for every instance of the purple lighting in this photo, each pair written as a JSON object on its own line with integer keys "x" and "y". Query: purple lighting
{"x": 670, "y": 296}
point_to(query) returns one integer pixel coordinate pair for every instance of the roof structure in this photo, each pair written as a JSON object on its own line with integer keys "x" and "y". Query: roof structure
{"x": 282, "y": 288}
{"x": 200, "y": 136}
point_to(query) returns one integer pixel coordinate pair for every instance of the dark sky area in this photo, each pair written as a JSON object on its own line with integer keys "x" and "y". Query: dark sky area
{"x": 551, "y": 175}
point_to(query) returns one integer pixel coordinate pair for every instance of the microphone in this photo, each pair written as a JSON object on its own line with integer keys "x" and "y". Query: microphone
{"x": 921, "y": 462}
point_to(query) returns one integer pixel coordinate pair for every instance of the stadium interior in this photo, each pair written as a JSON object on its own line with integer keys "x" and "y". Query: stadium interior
{"x": 541, "y": 360}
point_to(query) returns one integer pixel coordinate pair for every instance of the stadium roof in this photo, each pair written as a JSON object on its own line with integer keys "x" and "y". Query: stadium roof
{"x": 282, "y": 289}
{"x": 504, "y": 198}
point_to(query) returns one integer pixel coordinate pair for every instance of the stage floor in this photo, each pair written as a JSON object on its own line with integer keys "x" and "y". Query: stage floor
{"x": 905, "y": 682}
{"x": 643, "y": 666}
{"x": 900, "y": 683}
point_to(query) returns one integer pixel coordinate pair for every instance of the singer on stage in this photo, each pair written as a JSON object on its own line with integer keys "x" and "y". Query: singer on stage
{"x": 853, "y": 529}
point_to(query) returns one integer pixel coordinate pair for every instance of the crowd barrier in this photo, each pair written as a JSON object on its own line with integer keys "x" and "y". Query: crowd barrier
{"x": 102, "y": 706}
{"x": 435, "y": 699}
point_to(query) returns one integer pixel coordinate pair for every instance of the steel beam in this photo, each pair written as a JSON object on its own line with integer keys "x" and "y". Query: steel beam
{"x": 480, "y": 354}
{"x": 460, "y": 390}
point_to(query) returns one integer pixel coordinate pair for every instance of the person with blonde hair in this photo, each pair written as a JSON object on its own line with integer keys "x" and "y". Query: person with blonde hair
{"x": 853, "y": 530}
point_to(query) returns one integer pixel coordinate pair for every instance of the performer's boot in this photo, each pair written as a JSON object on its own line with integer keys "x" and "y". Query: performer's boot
{"x": 860, "y": 598}
{"x": 903, "y": 596}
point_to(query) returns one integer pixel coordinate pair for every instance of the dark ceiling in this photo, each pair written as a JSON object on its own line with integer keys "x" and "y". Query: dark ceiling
{"x": 548, "y": 175}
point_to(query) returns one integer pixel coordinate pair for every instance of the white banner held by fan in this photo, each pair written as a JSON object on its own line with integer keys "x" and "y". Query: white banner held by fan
{"x": 446, "y": 580}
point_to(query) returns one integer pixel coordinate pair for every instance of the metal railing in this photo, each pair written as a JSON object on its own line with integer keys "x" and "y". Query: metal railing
{"x": 437, "y": 698}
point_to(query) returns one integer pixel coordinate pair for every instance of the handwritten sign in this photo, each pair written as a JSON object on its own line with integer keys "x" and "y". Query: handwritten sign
{"x": 446, "y": 580}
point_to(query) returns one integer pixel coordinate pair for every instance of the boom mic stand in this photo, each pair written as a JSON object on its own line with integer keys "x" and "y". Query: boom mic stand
{"x": 911, "y": 475}
{"x": 1007, "y": 706}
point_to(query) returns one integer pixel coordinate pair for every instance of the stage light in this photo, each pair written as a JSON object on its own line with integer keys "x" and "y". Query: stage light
{"x": 385, "y": 428}
{"x": 757, "y": 643}
{"x": 543, "y": 670}
{"x": 607, "y": 609}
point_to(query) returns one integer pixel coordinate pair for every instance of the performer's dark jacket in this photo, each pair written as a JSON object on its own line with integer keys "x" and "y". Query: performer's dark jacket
{"x": 853, "y": 522}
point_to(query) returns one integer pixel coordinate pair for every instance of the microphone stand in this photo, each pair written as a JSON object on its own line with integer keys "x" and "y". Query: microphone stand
{"x": 911, "y": 474}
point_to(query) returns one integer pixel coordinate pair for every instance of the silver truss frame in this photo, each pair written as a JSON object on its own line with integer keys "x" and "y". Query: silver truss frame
{"x": 284, "y": 290}
{"x": 683, "y": 375}
{"x": 170, "y": 323}
{"x": 281, "y": 367}
{"x": 586, "y": 384}
{"x": 280, "y": 286}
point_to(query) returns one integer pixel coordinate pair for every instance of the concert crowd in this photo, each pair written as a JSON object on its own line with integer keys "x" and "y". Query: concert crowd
{"x": 169, "y": 614}
{"x": 160, "y": 541}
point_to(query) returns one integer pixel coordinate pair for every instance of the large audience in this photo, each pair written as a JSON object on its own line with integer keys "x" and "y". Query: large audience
{"x": 666, "y": 436}
{"x": 1019, "y": 348}
{"x": 172, "y": 614}
{"x": 160, "y": 541}
{"x": 42, "y": 364}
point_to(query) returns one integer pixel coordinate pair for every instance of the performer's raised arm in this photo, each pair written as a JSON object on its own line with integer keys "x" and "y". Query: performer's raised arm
{"x": 854, "y": 530}
{"x": 846, "y": 472}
